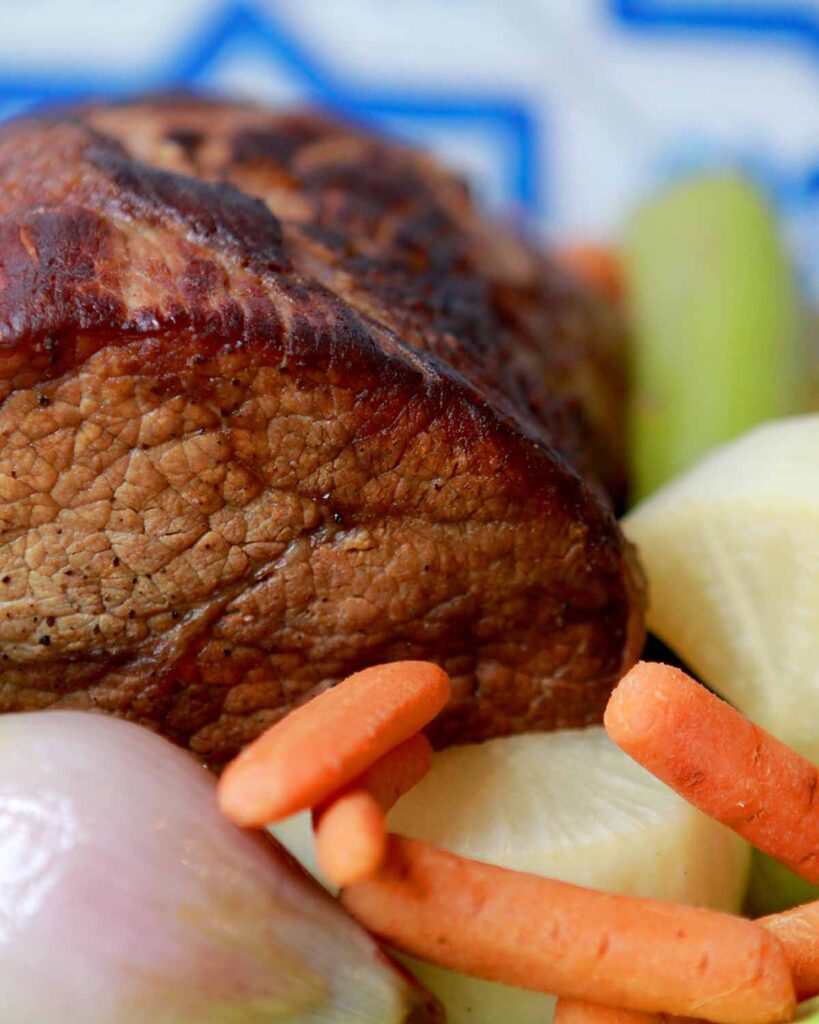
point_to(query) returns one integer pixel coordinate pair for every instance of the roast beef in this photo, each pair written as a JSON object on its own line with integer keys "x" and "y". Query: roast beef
{"x": 276, "y": 404}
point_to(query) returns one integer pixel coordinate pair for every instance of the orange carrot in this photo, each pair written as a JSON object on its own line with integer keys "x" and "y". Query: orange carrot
{"x": 596, "y": 265}
{"x": 720, "y": 762}
{"x": 321, "y": 746}
{"x": 798, "y": 931}
{"x": 350, "y": 838}
{"x": 350, "y": 830}
{"x": 398, "y": 771}
{"x": 645, "y": 955}
{"x": 572, "y": 1011}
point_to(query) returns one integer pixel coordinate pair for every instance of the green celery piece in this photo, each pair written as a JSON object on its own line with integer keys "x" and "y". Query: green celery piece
{"x": 773, "y": 887}
{"x": 808, "y": 1012}
{"x": 716, "y": 321}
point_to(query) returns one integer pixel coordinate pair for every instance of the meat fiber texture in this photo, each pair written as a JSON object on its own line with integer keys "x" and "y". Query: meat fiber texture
{"x": 277, "y": 404}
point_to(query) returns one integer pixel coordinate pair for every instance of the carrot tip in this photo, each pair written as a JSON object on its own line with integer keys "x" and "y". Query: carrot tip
{"x": 350, "y": 838}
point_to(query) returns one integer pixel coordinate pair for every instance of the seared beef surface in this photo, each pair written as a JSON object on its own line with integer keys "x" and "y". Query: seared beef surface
{"x": 277, "y": 404}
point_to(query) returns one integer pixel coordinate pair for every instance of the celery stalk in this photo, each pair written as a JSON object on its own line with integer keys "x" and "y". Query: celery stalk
{"x": 716, "y": 321}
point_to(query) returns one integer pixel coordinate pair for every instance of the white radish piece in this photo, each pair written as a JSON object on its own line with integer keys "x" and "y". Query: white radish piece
{"x": 125, "y": 896}
{"x": 731, "y": 551}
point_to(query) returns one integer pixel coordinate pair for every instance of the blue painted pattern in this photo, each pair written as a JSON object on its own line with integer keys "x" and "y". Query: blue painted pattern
{"x": 796, "y": 21}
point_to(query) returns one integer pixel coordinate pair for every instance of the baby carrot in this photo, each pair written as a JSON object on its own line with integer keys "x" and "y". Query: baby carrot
{"x": 324, "y": 744}
{"x": 350, "y": 831}
{"x": 798, "y": 931}
{"x": 720, "y": 762}
{"x": 350, "y": 838}
{"x": 572, "y": 1011}
{"x": 596, "y": 265}
{"x": 645, "y": 955}
{"x": 398, "y": 771}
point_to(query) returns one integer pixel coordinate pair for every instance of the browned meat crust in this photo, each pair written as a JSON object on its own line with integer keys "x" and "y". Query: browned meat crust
{"x": 276, "y": 404}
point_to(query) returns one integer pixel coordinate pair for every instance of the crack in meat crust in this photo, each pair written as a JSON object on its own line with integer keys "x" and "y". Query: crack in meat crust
{"x": 268, "y": 417}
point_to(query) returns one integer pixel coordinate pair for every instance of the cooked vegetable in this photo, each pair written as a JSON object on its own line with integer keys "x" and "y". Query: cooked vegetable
{"x": 722, "y": 763}
{"x": 808, "y": 1013}
{"x": 323, "y": 745}
{"x": 571, "y": 805}
{"x": 350, "y": 832}
{"x": 573, "y": 1011}
{"x": 351, "y": 838}
{"x": 798, "y": 931}
{"x": 773, "y": 888}
{"x": 716, "y": 323}
{"x": 398, "y": 771}
{"x": 126, "y": 897}
{"x": 731, "y": 551}
{"x": 598, "y": 265}
{"x": 647, "y": 955}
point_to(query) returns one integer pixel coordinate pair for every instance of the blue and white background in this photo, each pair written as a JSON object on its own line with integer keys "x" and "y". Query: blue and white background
{"x": 567, "y": 110}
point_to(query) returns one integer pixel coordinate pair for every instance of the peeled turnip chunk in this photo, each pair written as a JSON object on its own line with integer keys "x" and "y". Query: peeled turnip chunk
{"x": 125, "y": 897}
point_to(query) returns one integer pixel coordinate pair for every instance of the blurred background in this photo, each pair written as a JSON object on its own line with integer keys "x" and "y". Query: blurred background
{"x": 565, "y": 110}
